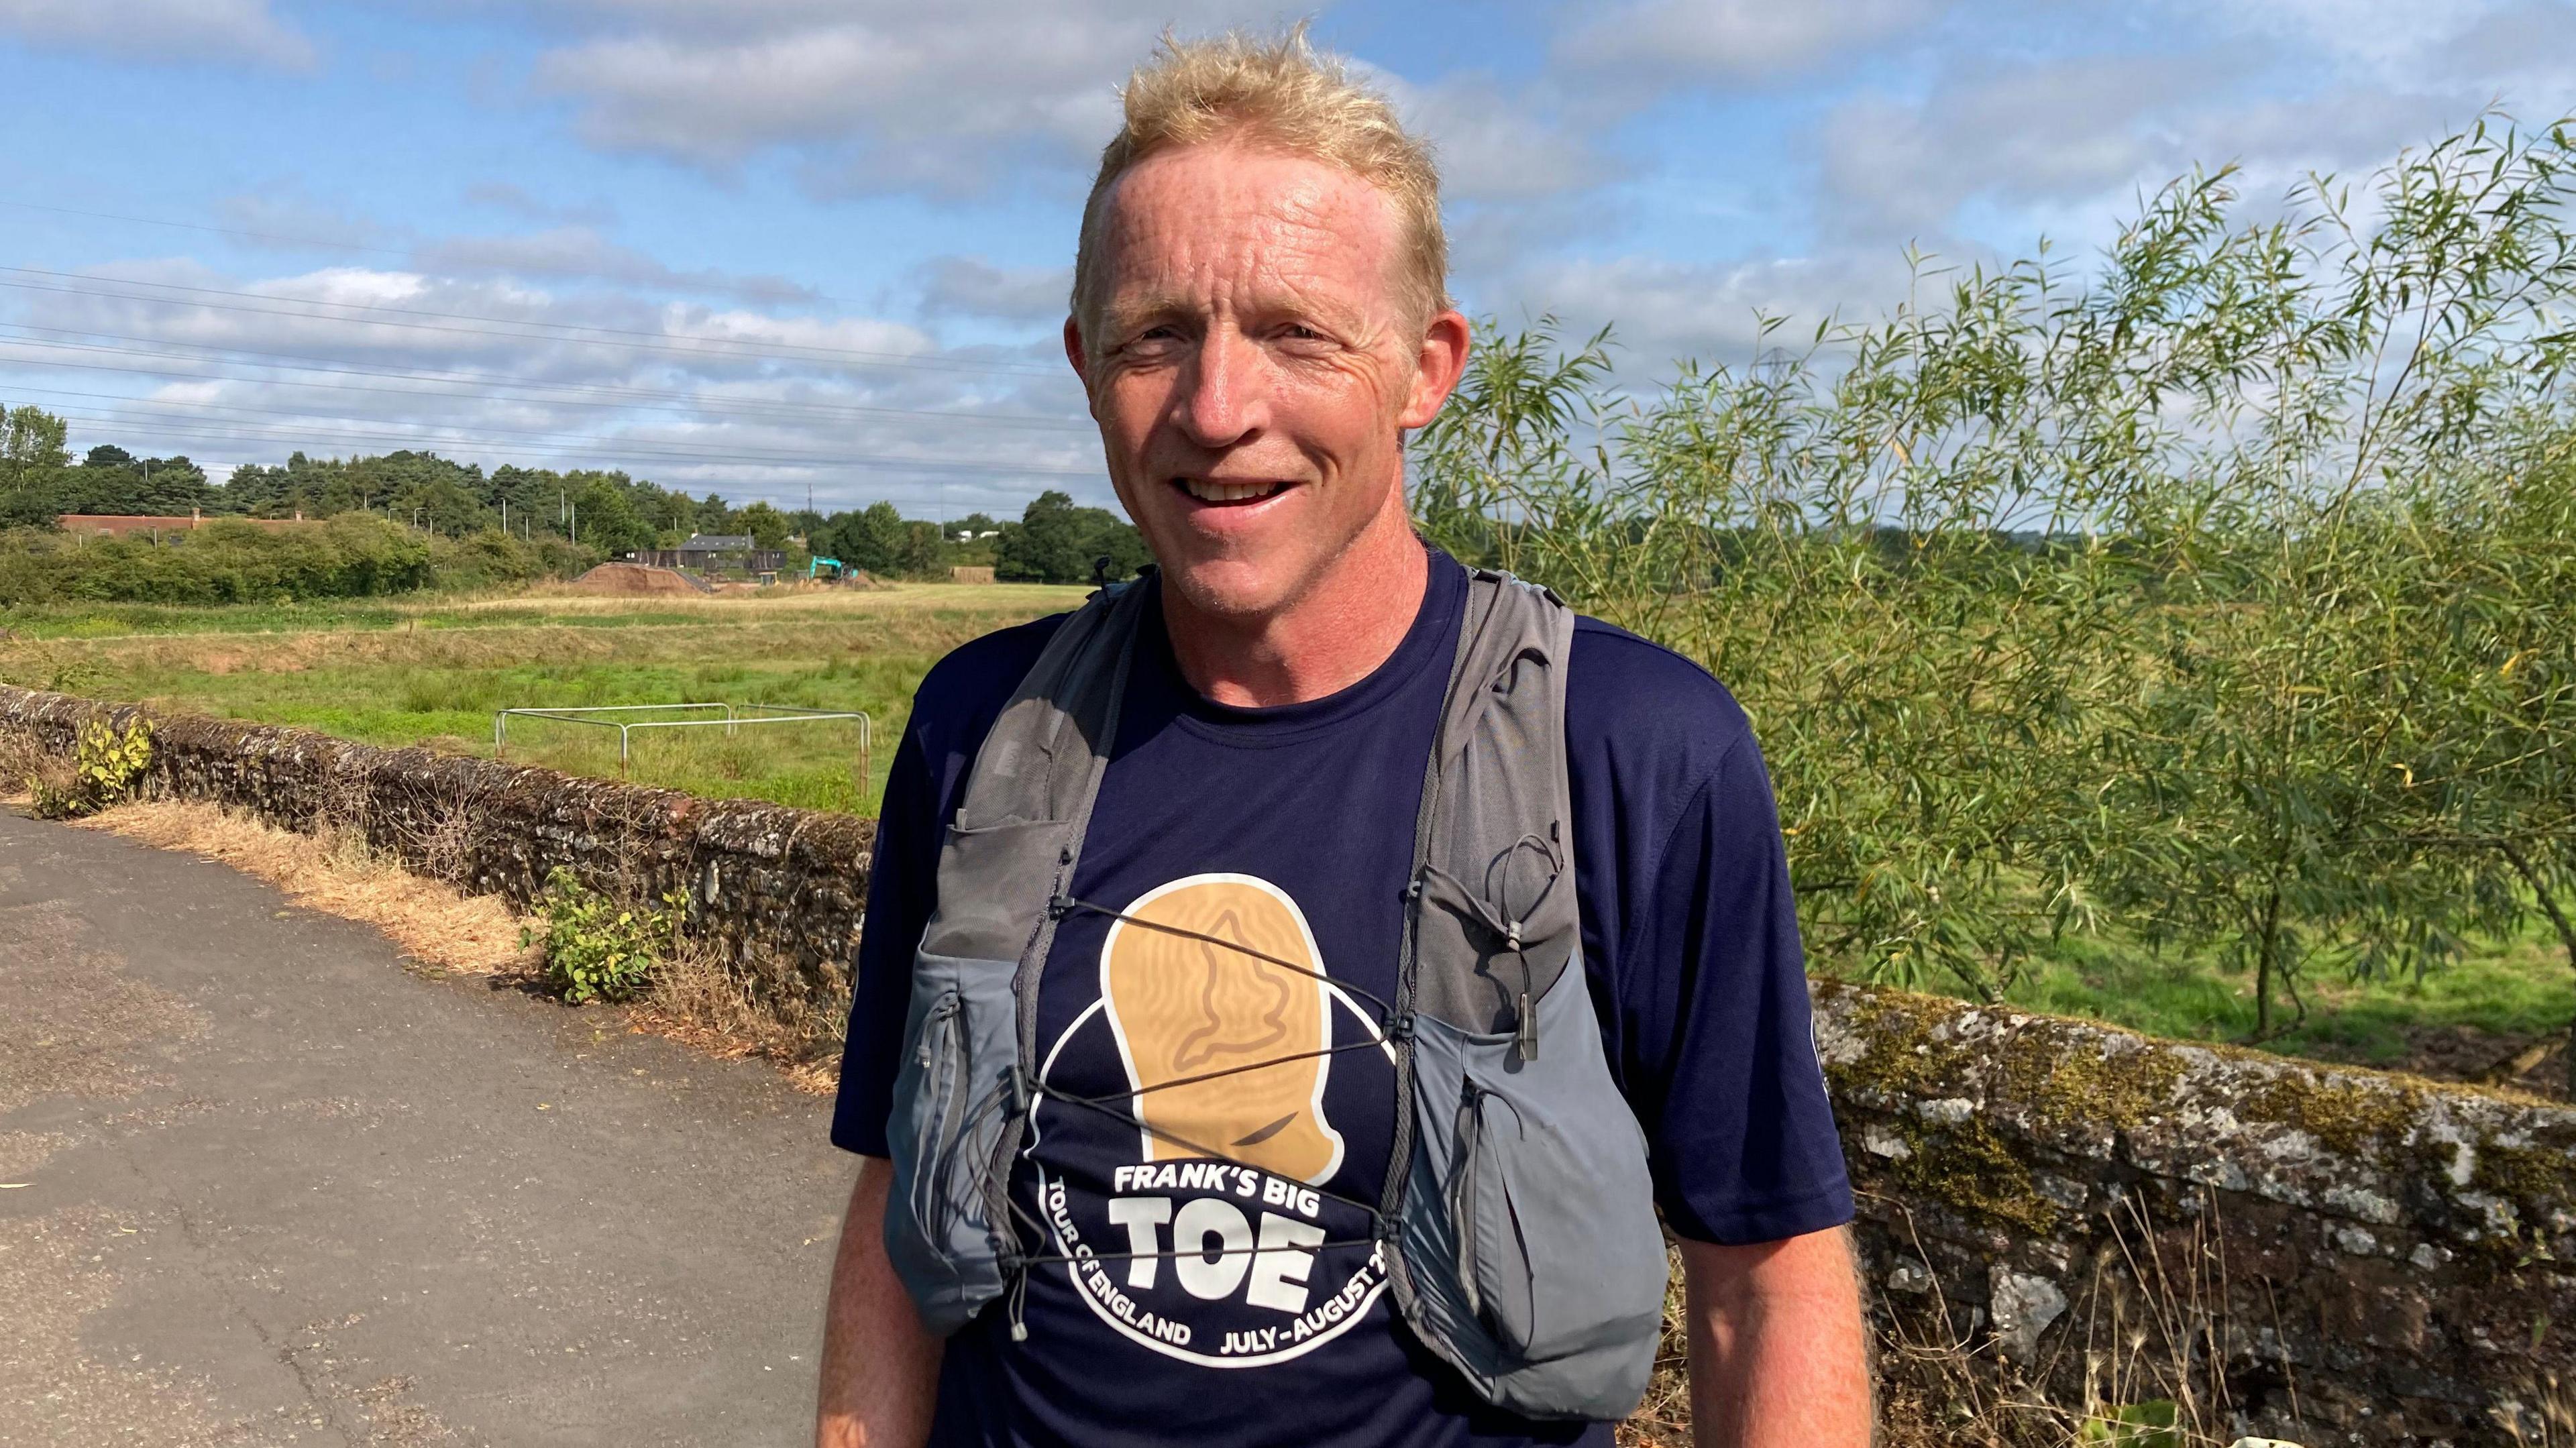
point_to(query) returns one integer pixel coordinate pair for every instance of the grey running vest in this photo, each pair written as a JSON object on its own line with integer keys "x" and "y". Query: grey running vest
{"x": 1518, "y": 1221}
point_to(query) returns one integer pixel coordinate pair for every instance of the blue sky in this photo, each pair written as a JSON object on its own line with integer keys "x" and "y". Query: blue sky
{"x": 764, "y": 246}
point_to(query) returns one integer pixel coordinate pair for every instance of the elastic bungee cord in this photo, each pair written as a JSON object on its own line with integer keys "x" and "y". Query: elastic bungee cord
{"x": 1392, "y": 1025}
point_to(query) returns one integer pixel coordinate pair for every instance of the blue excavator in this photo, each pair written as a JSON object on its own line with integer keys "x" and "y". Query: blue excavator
{"x": 815, "y": 569}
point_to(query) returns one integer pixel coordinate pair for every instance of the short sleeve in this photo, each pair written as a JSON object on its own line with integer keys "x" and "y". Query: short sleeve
{"x": 952, "y": 711}
{"x": 1690, "y": 934}
{"x": 902, "y": 891}
{"x": 1744, "y": 1146}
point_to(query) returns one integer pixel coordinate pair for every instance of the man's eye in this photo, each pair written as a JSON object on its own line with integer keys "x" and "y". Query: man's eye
{"x": 1151, "y": 341}
{"x": 1299, "y": 332}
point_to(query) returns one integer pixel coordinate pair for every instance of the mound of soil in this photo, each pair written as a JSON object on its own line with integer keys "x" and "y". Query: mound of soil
{"x": 637, "y": 579}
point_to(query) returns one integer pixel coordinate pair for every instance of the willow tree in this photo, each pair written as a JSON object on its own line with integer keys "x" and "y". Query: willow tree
{"x": 2062, "y": 595}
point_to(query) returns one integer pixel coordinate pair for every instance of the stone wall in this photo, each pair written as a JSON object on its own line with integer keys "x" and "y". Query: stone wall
{"x": 762, "y": 881}
{"x": 2326, "y": 1255}
{"x": 2053, "y": 1212}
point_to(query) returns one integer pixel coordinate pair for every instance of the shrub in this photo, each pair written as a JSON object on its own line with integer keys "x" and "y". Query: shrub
{"x": 598, "y": 949}
{"x": 231, "y": 560}
{"x": 106, "y": 763}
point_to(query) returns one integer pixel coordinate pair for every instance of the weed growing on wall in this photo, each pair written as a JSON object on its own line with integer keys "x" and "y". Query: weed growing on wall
{"x": 596, "y": 948}
{"x": 106, "y": 764}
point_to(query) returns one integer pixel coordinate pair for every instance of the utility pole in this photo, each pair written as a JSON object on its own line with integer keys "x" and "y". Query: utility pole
{"x": 505, "y": 516}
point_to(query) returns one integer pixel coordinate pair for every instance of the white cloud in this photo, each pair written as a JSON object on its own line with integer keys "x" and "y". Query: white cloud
{"x": 2389, "y": 40}
{"x": 1493, "y": 144}
{"x": 739, "y": 401}
{"x": 291, "y": 221}
{"x": 1663, "y": 310}
{"x": 284, "y": 214}
{"x": 519, "y": 201}
{"x": 2531, "y": 46}
{"x": 2033, "y": 130}
{"x": 867, "y": 95}
{"x": 965, "y": 286}
{"x": 162, "y": 30}
{"x": 2070, "y": 145}
{"x": 1735, "y": 39}
{"x": 581, "y": 252}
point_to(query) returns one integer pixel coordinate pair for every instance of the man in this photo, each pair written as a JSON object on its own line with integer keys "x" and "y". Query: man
{"x": 1259, "y": 315}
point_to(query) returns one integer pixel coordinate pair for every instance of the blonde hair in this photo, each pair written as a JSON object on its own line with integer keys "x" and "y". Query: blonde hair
{"x": 1283, "y": 95}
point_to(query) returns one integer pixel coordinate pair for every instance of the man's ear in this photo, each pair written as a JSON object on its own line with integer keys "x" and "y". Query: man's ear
{"x": 1437, "y": 367}
{"x": 1073, "y": 352}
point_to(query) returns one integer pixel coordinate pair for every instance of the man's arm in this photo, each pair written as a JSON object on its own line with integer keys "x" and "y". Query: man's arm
{"x": 1779, "y": 1356}
{"x": 880, "y": 1365}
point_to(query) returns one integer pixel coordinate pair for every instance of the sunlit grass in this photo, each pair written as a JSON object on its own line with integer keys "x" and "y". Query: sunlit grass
{"x": 403, "y": 674}
{"x": 551, "y": 604}
{"x": 411, "y": 673}
{"x": 2512, "y": 988}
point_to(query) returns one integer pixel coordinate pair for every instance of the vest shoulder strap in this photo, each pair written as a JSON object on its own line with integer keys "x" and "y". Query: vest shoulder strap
{"x": 1493, "y": 869}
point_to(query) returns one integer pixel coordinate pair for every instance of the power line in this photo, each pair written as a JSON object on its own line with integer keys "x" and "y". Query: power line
{"x": 295, "y": 241}
{"x": 780, "y": 409}
{"x": 340, "y": 364}
{"x": 619, "y": 336}
{"x": 308, "y": 243}
{"x": 176, "y": 417}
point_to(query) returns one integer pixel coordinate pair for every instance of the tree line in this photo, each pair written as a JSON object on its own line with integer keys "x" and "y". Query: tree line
{"x": 580, "y": 513}
{"x": 2222, "y": 595}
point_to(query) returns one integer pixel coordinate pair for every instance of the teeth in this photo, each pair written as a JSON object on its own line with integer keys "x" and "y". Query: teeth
{"x": 1212, "y": 492}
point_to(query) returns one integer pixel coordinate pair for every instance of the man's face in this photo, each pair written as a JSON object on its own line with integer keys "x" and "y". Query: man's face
{"x": 1253, "y": 360}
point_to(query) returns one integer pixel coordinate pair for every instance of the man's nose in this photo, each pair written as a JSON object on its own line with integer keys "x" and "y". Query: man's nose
{"x": 1226, "y": 398}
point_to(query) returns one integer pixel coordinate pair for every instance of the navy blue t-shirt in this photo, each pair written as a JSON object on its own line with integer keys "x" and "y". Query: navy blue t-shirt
{"x": 1242, "y": 1307}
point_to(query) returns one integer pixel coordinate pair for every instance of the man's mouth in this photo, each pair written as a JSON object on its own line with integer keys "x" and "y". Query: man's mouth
{"x": 1210, "y": 490}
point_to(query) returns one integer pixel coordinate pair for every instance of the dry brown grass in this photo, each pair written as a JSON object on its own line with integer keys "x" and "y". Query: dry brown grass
{"x": 83, "y": 665}
{"x": 21, "y": 759}
{"x": 338, "y": 874}
{"x": 573, "y": 629}
{"x": 1663, "y": 1419}
{"x": 759, "y": 1009}
{"x": 2542, "y": 1414}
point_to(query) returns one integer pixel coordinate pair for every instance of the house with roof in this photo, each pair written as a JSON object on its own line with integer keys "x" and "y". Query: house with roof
{"x": 714, "y": 553}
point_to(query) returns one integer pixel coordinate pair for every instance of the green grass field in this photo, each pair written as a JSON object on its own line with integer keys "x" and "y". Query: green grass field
{"x": 404, "y": 672}
{"x": 407, "y": 671}
{"x": 2456, "y": 1019}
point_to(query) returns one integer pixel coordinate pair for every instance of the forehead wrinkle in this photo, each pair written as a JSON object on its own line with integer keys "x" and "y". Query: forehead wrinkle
{"x": 1276, "y": 256}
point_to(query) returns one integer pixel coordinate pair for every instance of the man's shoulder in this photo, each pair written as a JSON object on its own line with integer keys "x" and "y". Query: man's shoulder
{"x": 1633, "y": 703}
{"x": 965, "y": 691}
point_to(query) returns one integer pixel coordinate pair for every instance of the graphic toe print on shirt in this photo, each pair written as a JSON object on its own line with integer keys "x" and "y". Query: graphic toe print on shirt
{"x": 1204, "y": 1236}
{"x": 1197, "y": 1021}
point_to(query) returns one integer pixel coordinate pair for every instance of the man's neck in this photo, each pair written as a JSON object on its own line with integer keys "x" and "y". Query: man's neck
{"x": 1327, "y": 639}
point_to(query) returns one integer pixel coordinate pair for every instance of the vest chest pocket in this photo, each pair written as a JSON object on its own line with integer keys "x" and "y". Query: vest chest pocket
{"x": 940, "y": 1055}
{"x": 1529, "y": 1229}
{"x": 1494, "y": 1271}
{"x": 954, "y": 1096}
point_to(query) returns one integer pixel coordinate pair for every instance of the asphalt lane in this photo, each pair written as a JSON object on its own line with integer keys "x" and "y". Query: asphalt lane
{"x": 260, "y": 1183}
